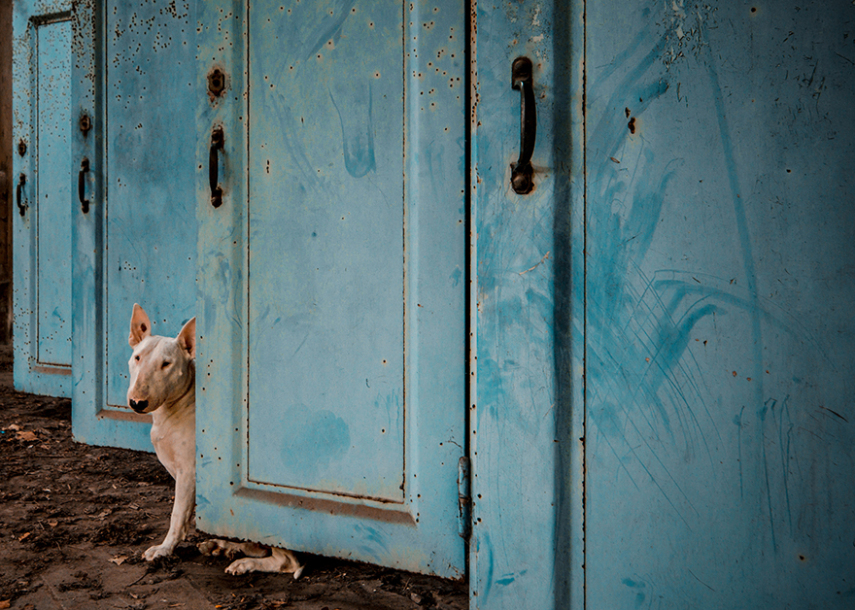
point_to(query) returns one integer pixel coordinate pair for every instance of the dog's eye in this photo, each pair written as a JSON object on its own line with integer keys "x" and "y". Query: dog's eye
{"x": 165, "y": 364}
{"x": 137, "y": 358}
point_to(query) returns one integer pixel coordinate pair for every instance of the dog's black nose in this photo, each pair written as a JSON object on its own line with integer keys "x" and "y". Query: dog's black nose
{"x": 140, "y": 406}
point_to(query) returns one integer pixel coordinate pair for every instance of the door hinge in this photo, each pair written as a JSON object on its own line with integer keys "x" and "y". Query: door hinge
{"x": 464, "y": 500}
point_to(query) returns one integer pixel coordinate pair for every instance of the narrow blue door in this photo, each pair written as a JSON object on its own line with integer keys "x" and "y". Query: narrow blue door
{"x": 42, "y": 192}
{"x": 719, "y": 288}
{"x": 133, "y": 83}
{"x": 331, "y": 364}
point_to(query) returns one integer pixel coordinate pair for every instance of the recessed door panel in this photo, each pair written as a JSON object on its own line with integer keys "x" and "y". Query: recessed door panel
{"x": 42, "y": 198}
{"x": 150, "y": 254}
{"x": 326, "y": 240}
{"x": 53, "y": 191}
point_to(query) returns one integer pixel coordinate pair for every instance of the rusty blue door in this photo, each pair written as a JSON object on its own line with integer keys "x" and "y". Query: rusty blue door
{"x": 135, "y": 238}
{"x": 332, "y": 328}
{"x": 719, "y": 286}
{"x": 42, "y": 192}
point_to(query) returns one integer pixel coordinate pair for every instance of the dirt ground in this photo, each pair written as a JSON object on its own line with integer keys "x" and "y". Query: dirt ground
{"x": 74, "y": 521}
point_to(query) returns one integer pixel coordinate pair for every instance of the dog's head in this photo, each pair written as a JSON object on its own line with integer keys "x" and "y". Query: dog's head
{"x": 161, "y": 368}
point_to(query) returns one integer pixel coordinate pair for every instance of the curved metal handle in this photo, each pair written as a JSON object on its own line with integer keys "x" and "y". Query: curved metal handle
{"x": 81, "y": 185}
{"x": 521, "y": 172}
{"x": 22, "y": 206}
{"x": 217, "y": 143}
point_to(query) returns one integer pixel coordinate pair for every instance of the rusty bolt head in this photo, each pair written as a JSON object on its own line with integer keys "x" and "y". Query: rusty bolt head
{"x": 85, "y": 123}
{"x": 216, "y": 82}
{"x": 522, "y": 179}
{"x": 522, "y": 184}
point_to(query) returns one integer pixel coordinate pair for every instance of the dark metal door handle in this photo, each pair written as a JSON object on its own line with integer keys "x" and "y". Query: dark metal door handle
{"x": 521, "y": 171}
{"x": 81, "y": 185}
{"x": 22, "y": 205}
{"x": 217, "y": 142}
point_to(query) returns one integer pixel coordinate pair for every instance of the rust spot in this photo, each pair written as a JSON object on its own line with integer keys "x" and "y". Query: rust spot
{"x": 631, "y": 125}
{"x": 216, "y": 83}
{"x": 85, "y": 124}
{"x": 22, "y": 147}
{"x": 628, "y": 112}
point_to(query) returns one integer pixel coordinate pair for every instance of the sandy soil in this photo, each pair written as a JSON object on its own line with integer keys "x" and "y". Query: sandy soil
{"x": 75, "y": 519}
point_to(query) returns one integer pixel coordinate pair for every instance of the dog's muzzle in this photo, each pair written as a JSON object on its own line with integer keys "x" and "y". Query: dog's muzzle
{"x": 140, "y": 406}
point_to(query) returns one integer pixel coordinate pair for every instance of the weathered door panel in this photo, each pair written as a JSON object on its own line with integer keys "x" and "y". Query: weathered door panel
{"x": 42, "y": 191}
{"x": 719, "y": 283}
{"x": 332, "y": 329}
{"x": 135, "y": 78}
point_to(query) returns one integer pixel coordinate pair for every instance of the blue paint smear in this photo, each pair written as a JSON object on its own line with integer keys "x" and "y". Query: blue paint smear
{"x": 357, "y": 135}
{"x": 317, "y": 429}
{"x": 485, "y": 553}
{"x": 645, "y": 385}
{"x": 371, "y": 541}
{"x": 329, "y": 28}
{"x": 455, "y": 277}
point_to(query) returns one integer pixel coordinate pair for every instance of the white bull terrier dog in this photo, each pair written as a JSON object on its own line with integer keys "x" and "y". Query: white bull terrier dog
{"x": 163, "y": 376}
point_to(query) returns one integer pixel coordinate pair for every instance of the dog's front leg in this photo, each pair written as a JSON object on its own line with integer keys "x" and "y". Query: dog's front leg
{"x": 182, "y": 510}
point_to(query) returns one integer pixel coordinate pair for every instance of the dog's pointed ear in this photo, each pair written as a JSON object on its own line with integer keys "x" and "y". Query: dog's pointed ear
{"x": 140, "y": 326}
{"x": 187, "y": 338}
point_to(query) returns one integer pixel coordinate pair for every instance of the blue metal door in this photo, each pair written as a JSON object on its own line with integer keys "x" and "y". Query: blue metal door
{"x": 135, "y": 240}
{"x": 332, "y": 364}
{"x": 42, "y": 191}
{"x": 719, "y": 289}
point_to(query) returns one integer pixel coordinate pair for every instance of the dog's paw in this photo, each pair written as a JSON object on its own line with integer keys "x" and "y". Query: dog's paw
{"x": 209, "y": 547}
{"x": 242, "y": 566}
{"x": 156, "y": 552}
{"x": 217, "y": 548}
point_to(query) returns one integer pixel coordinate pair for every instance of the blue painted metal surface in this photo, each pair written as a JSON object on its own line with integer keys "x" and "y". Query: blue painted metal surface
{"x": 42, "y": 190}
{"x": 719, "y": 283}
{"x": 134, "y": 76}
{"x": 332, "y": 314}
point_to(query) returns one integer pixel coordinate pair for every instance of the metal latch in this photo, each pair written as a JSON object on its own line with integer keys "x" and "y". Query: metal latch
{"x": 464, "y": 500}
